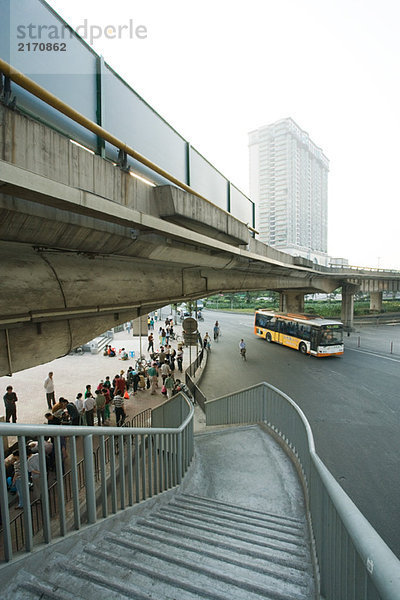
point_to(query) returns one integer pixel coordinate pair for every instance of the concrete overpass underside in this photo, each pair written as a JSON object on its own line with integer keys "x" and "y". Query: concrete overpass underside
{"x": 84, "y": 246}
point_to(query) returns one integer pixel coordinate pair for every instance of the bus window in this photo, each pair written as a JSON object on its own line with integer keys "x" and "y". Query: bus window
{"x": 273, "y": 324}
{"x": 331, "y": 335}
{"x": 291, "y": 328}
{"x": 262, "y": 320}
{"x": 304, "y": 331}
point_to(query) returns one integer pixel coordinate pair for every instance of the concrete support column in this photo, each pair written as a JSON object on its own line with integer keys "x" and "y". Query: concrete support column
{"x": 375, "y": 301}
{"x": 348, "y": 306}
{"x": 292, "y": 302}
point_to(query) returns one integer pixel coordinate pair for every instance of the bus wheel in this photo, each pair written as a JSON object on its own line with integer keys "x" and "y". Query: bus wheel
{"x": 268, "y": 337}
{"x": 303, "y": 348}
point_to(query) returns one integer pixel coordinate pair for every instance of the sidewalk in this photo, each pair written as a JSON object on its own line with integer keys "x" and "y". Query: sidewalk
{"x": 383, "y": 339}
{"x": 73, "y": 372}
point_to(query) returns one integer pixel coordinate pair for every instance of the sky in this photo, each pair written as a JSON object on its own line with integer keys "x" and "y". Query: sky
{"x": 216, "y": 70}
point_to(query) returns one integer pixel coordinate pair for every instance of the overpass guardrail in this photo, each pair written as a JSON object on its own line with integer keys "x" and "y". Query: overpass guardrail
{"x": 354, "y": 562}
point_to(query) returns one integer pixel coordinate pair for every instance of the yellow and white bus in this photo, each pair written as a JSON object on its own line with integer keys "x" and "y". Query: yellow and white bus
{"x": 310, "y": 334}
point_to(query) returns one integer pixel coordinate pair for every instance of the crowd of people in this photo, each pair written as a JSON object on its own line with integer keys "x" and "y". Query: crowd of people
{"x": 157, "y": 374}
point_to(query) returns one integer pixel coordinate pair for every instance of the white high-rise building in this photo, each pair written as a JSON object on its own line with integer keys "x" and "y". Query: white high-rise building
{"x": 289, "y": 185}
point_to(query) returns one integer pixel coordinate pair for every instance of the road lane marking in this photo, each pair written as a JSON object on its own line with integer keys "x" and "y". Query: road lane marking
{"x": 373, "y": 354}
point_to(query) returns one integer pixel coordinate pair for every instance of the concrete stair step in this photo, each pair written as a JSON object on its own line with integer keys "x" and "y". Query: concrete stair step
{"x": 240, "y": 517}
{"x": 267, "y": 563}
{"x": 237, "y": 523}
{"x": 200, "y": 558}
{"x": 236, "y": 547}
{"x": 221, "y": 521}
{"x": 84, "y": 580}
{"x": 181, "y": 579}
{"x": 27, "y": 586}
{"x": 219, "y": 533}
{"x": 241, "y": 510}
{"x": 162, "y": 581}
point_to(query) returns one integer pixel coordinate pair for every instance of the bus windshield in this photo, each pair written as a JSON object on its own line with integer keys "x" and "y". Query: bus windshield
{"x": 331, "y": 335}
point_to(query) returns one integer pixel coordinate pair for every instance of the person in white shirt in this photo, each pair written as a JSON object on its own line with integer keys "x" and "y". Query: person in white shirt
{"x": 49, "y": 387}
{"x": 165, "y": 370}
{"x": 89, "y": 404}
{"x": 80, "y": 407}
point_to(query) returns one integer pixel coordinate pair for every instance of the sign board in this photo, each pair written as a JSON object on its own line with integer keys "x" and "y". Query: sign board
{"x": 190, "y": 339}
{"x": 189, "y": 325}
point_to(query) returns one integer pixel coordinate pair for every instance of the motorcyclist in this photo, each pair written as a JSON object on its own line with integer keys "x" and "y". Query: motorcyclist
{"x": 242, "y": 348}
{"x": 216, "y": 330}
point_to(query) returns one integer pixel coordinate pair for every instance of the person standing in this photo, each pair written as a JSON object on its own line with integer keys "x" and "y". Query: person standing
{"x": 10, "y": 398}
{"x": 89, "y": 404}
{"x": 151, "y": 343}
{"x": 107, "y": 396}
{"x": 120, "y": 415}
{"x": 120, "y": 384}
{"x": 165, "y": 371}
{"x": 153, "y": 374}
{"x": 80, "y": 408}
{"x": 49, "y": 387}
{"x": 169, "y": 384}
{"x": 179, "y": 358}
{"x": 100, "y": 407}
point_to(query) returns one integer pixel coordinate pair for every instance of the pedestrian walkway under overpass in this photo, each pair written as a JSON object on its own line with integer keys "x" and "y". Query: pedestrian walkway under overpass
{"x": 243, "y": 509}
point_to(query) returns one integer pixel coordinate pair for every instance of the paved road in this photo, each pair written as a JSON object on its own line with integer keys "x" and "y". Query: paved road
{"x": 351, "y": 402}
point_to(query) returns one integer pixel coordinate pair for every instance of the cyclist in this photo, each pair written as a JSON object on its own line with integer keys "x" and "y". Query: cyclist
{"x": 242, "y": 348}
{"x": 216, "y": 331}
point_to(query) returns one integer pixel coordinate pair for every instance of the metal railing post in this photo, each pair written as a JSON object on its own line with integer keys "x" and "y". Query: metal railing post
{"x": 121, "y": 471}
{"x": 74, "y": 483}
{"x": 26, "y": 501}
{"x": 103, "y": 476}
{"x": 113, "y": 475}
{"x": 7, "y": 544}
{"x": 180, "y": 457}
{"x": 129, "y": 454}
{"x": 89, "y": 478}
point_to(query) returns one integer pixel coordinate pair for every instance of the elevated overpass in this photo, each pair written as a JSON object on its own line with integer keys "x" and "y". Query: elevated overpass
{"x": 85, "y": 245}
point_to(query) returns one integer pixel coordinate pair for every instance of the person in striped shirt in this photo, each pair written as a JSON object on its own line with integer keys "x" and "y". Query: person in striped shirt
{"x": 120, "y": 415}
